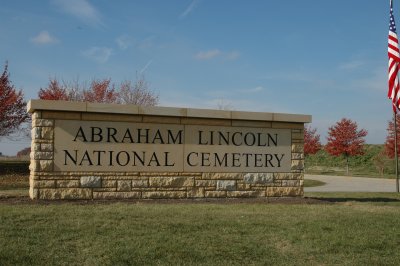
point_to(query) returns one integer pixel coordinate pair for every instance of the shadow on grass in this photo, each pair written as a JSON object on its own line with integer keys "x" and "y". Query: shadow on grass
{"x": 349, "y": 199}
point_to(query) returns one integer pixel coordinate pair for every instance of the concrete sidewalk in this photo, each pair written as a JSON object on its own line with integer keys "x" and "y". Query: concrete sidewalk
{"x": 351, "y": 184}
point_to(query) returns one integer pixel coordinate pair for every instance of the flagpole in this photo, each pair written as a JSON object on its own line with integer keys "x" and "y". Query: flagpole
{"x": 395, "y": 152}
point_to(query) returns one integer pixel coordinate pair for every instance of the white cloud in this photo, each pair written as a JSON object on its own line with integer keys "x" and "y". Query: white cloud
{"x": 98, "y": 54}
{"x": 253, "y": 90}
{"x": 206, "y": 55}
{"x": 210, "y": 54}
{"x": 123, "y": 42}
{"x": 44, "y": 38}
{"x": 189, "y": 9}
{"x": 232, "y": 55}
{"x": 352, "y": 65}
{"x": 146, "y": 66}
{"x": 80, "y": 9}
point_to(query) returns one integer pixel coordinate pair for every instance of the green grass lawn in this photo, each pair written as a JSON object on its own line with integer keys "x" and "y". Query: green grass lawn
{"x": 313, "y": 183}
{"x": 349, "y": 229}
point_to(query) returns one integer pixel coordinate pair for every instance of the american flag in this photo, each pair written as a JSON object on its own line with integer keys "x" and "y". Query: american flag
{"x": 394, "y": 60}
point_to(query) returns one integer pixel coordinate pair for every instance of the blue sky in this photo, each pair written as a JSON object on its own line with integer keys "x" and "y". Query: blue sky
{"x": 324, "y": 58}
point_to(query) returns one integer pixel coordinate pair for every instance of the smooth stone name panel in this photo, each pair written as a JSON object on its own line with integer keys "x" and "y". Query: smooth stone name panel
{"x": 140, "y": 147}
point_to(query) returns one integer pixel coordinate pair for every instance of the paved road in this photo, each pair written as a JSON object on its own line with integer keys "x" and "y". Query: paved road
{"x": 351, "y": 184}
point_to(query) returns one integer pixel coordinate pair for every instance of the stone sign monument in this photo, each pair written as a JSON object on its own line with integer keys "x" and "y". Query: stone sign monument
{"x": 109, "y": 151}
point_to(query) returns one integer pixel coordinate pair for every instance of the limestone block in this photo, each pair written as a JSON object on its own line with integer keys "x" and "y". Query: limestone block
{"x": 280, "y": 176}
{"x": 297, "y": 156}
{"x": 140, "y": 183}
{"x": 206, "y": 183}
{"x": 46, "y": 147}
{"x": 106, "y": 189}
{"x": 222, "y": 176}
{"x": 65, "y": 193}
{"x": 258, "y": 178}
{"x": 226, "y": 185}
{"x": 196, "y": 192}
{"x": 33, "y": 193}
{"x": 36, "y": 146}
{"x": 245, "y": 194}
{"x": 288, "y": 176}
{"x": 67, "y": 183}
{"x": 174, "y": 181}
{"x": 43, "y": 123}
{"x": 116, "y": 195}
{"x": 46, "y": 165}
{"x": 36, "y": 133}
{"x": 284, "y": 191}
{"x": 290, "y": 183}
{"x": 124, "y": 185}
{"x": 242, "y": 186}
{"x": 42, "y": 155}
{"x": 215, "y": 194}
{"x": 109, "y": 183}
{"x": 44, "y": 184}
{"x": 47, "y": 133}
{"x": 90, "y": 181}
{"x": 164, "y": 194}
{"x": 34, "y": 166}
{"x": 36, "y": 115}
{"x": 297, "y": 165}
{"x": 299, "y": 148}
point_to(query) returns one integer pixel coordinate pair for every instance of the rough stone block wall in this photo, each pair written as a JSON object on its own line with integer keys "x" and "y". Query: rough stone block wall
{"x": 47, "y": 184}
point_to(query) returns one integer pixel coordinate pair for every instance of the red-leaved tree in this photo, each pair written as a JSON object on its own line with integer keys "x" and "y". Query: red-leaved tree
{"x": 389, "y": 144}
{"x": 12, "y": 105}
{"x": 54, "y": 91}
{"x": 312, "y": 143}
{"x": 345, "y": 139}
{"x": 101, "y": 91}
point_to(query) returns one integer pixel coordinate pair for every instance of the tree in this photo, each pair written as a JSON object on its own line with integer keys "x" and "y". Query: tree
{"x": 379, "y": 161}
{"x": 312, "y": 144}
{"x": 54, "y": 91}
{"x": 137, "y": 93}
{"x": 101, "y": 91}
{"x": 12, "y": 105}
{"x": 344, "y": 139}
{"x": 389, "y": 143}
{"x": 24, "y": 152}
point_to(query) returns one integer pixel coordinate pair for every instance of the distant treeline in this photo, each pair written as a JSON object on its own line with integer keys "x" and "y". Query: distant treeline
{"x": 14, "y": 167}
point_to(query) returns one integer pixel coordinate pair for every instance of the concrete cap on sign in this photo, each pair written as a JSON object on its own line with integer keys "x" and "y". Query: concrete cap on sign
{"x": 45, "y": 105}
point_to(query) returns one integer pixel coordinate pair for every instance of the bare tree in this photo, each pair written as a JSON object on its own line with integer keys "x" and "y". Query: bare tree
{"x": 137, "y": 93}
